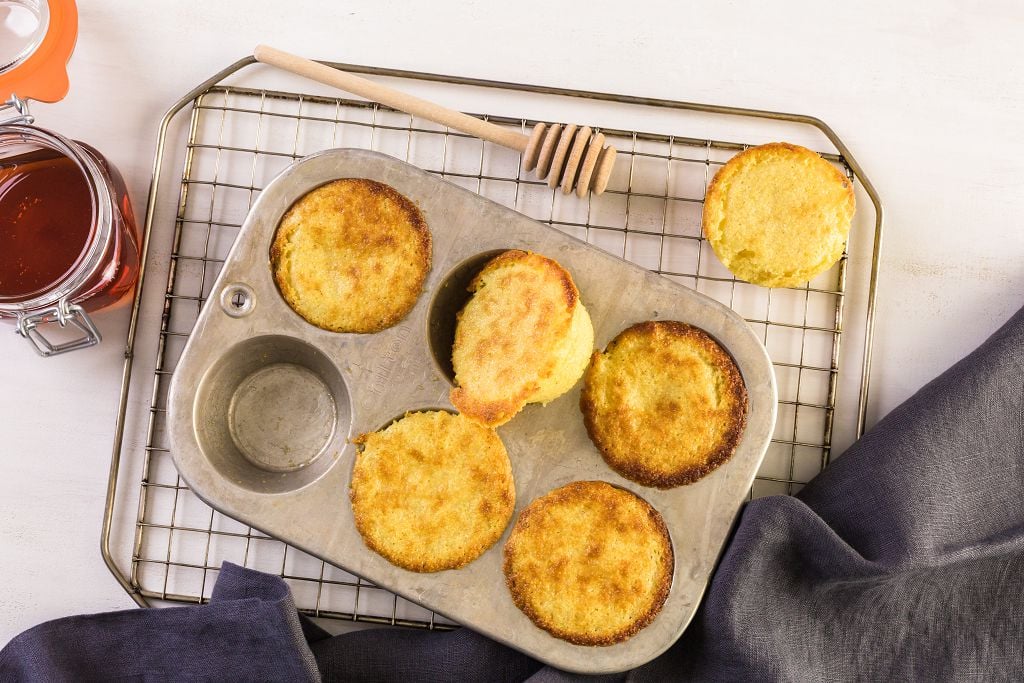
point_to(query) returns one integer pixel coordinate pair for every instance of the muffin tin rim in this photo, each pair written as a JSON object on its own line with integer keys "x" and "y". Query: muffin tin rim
{"x": 733, "y": 323}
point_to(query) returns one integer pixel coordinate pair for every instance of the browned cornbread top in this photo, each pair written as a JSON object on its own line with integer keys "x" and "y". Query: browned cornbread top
{"x": 432, "y": 491}
{"x": 523, "y": 337}
{"x": 589, "y": 563}
{"x": 665, "y": 404}
{"x": 778, "y": 215}
{"x": 351, "y": 256}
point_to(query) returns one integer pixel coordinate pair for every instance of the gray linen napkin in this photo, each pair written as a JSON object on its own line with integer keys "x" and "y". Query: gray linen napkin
{"x": 250, "y": 631}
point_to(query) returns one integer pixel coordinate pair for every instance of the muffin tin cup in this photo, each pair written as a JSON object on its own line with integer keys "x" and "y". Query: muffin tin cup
{"x": 263, "y": 405}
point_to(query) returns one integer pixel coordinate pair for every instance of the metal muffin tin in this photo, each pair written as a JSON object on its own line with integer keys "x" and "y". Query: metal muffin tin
{"x": 263, "y": 405}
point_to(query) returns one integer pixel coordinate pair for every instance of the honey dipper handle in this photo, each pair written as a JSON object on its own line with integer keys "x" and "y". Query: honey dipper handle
{"x": 390, "y": 97}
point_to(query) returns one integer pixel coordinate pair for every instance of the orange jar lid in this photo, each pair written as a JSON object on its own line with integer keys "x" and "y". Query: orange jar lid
{"x": 48, "y": 29}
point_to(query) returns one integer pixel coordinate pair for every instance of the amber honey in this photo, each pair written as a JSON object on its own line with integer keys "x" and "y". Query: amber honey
{"x": 48, "y": 226}
{"x": 45, "y": 220}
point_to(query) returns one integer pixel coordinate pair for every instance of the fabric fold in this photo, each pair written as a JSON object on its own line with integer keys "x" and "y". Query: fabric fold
{"x": 249, "y": 631}
{"x": 903, "y": 560}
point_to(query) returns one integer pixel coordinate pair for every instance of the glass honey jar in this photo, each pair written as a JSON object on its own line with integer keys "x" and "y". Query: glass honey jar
{"x": 68, "y": 240}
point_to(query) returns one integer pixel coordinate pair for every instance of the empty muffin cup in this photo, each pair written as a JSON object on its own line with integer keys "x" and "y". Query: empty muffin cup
{"x": 272, "y": 413}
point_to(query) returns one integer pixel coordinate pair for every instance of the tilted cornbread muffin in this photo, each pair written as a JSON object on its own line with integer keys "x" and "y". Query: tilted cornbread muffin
{"x": 778, "y": 215}
{"x": 589, "y": 563}
{"x": 664, "y": 404}
{"x": 523, "y": 337}
{"x": 351, "y": 256}
{"x": 432, "y": 491}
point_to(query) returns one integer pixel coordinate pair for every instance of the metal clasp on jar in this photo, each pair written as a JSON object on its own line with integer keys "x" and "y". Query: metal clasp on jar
{"x": 63, "y": 314}
{"x": 21, "y": 113}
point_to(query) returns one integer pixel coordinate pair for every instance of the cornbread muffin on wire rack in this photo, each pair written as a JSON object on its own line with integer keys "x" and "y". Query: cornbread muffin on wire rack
{"x": 589, "y": 563}
{"x": 778, "y": 215}
{"x": 432, "y": 491}
{"x": 351, "y": 256}
{"x": 664, "y": 404}
{"x": 523, "y": 337}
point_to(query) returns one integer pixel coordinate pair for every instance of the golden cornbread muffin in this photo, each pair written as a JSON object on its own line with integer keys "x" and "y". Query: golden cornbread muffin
{"x": 351, "y": 256}
{"x": 778, "y": 214}
{"x": 665, "y": 404}
{"x": 589, "y": 563}
{"x": 432, "y": 491}
{"x": 523, "y": 337}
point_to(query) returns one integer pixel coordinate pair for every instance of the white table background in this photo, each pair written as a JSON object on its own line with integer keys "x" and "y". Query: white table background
{"x": 928, "y": 96}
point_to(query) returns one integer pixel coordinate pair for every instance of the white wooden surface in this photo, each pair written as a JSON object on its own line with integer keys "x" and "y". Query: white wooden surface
{"x": 929, "y": 96}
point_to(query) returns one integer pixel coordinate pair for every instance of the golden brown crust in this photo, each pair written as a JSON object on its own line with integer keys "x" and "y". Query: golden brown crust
{"x": 500, "y": 367}
{"x": 432, "y": 491}
{"x": 351, "y": 256}
{"x": 554, "y": 270}
{"x": 664, "y": 404}
{"x": 589, "y": 563}
{"x": 777, "y": 215}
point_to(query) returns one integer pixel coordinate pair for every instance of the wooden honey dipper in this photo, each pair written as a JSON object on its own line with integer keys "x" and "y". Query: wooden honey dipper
{"x": 570, "y": 156}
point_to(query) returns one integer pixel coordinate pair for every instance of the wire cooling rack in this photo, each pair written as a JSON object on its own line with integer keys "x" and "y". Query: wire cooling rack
{"x": 239, "y": 138}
